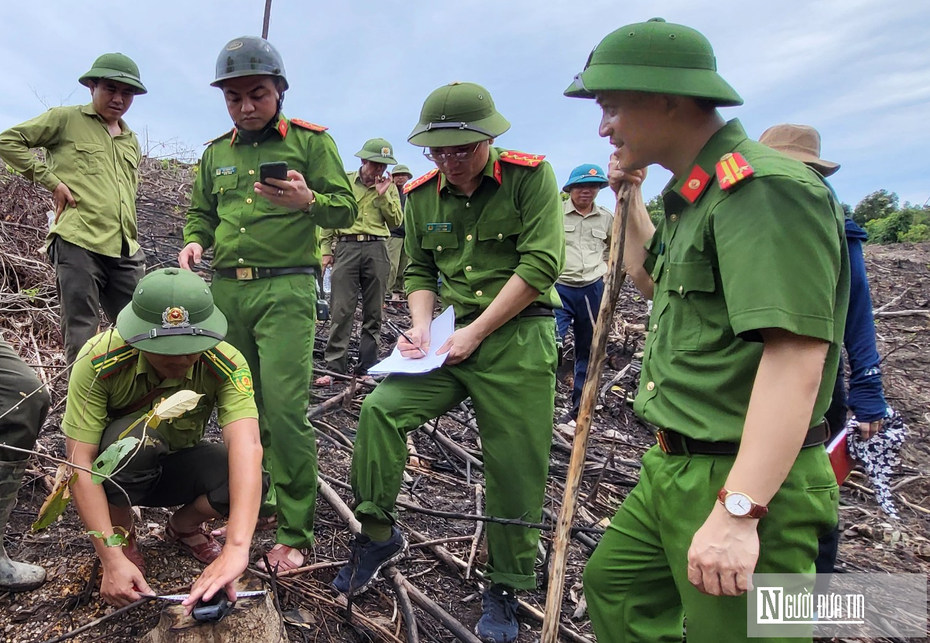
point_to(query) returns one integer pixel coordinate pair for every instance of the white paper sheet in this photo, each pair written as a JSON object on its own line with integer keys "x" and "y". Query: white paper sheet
{"x": 439, "y": 331}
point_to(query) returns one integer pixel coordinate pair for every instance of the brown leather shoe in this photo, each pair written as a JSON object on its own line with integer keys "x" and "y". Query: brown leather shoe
{"x": 198, "y": 543}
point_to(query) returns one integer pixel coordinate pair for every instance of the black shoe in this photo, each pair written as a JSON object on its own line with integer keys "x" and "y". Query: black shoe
{"x": 498, "y": 623}
{"x": 367, "y": 559}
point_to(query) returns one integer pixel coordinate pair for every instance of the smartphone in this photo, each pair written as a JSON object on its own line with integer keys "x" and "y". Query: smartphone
{"x": 275, "y": 170}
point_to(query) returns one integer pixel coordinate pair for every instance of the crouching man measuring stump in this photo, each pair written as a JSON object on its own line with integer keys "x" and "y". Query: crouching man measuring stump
{"x": 169, "y": 339}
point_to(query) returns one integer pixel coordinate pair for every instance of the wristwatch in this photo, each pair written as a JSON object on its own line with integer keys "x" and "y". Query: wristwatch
{"x": 739, "y": 505}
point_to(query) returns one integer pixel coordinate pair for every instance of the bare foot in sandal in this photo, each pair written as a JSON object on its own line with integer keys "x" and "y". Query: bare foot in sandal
{"x": 283, "y": 558}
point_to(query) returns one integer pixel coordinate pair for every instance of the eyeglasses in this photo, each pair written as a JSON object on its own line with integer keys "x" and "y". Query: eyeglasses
{"x": 437, "y": 157}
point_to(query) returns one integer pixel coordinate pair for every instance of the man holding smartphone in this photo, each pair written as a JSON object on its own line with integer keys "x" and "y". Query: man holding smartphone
{"x": 360, "y": 259}
{"x": 265, "y": 258}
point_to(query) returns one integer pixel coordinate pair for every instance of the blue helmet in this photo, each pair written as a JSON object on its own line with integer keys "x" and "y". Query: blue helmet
{"x": 587, "y": 173}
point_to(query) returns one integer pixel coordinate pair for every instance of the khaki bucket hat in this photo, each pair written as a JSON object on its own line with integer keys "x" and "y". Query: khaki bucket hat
{"x": 800, "y": 142}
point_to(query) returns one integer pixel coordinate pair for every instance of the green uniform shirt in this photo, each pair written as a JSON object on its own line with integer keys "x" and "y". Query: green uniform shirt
{"x": 100, "y": 170}
{"x": 769, "y": 252}
{"x": 587, "y": 245}
{"x": 512, "y": 224}
{"x": 110, "y": 374}
{"x": 248, "y": 230}
{"x": 377, "y": 214}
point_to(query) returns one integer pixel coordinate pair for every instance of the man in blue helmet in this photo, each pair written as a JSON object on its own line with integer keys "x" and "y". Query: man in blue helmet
{"x": 581, "y": 284}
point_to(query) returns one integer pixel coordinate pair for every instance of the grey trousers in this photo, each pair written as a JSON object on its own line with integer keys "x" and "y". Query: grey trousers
{"x": 86, "y": 282}
{"x": 19, "y": 428}
{"x": 398, "y": 264}
{"x": 361, "y": 267}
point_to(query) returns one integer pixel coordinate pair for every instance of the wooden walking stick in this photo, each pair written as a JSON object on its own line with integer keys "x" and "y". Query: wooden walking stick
{"x": 612, "y": 282}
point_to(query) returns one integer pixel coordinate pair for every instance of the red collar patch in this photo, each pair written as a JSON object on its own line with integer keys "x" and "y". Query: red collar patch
{"x": 695, "y": 184}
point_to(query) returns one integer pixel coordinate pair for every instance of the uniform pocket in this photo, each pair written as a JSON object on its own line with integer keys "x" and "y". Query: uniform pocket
{"x": 439, "y": 241}
{"x": 698, "y": 316}
{"x": 499, "y": 229}
{"x": 89, "y": 157}
{"x": 224, "y": 184}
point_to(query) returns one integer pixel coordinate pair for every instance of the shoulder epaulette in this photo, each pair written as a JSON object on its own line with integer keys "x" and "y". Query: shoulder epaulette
{"x": 519, "y": 158}
{"x": 313, "y": 127}
{"x": 114, "y": 361}
{"x": 220, "y": 137}
{"x": 219, "y": 365}
{"x": 731, "y": 169}
{"x": 413, "y": 185}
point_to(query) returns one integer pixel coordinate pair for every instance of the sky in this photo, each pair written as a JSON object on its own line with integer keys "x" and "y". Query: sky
{"x": 857, "y": 70}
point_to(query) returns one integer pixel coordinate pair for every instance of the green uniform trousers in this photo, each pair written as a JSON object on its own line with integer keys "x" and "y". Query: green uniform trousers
{"x": 359, "y": 267}
{"x": 398, "y": 257}
{"x": 87, "y": 281}
{"x": 19, "y": 428}
{"x": 636, "y": 582}
{"x": 511, "y": 381}
{"x": 272, "y": 322}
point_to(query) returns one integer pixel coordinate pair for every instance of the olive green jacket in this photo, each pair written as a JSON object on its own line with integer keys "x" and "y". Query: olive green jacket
{"x": 377, "y": 213}
{"x": 100, "y": 170}
{"x": 245, "y": 229}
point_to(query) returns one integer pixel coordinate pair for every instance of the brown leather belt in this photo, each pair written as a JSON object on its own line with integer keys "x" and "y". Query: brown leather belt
{"x": 674, "y": 443}
{"x": 251, "y": 273}
{"x": 360, "y": 237}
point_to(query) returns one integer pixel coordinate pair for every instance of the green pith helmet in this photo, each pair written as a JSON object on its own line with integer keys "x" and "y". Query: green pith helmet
{"x": 115, "y": 67}
{"x": 658, "y": 57}
{"x": 401, "y": 169}
{"x": 171, "y": 313}
{"x": 458, "y": 114}
{"x": 248, "y": 56}
{"x": 377, "y": 150}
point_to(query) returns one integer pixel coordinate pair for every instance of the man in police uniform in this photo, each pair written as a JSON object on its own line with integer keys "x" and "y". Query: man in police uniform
{"x": 401, "y": 175}
{"x": 24, "y": 403}
{"x": 91, "y": 168}
{"x": 488, "y": 223}
{"x": 581, "y": 284}
{"x": 360, "y": 259}
{"x": 265, "y": 258}
{"x": 750, "y": 283}
{"x": 169, "y": 339}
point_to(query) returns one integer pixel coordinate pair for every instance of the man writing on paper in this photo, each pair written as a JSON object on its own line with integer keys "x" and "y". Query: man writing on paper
{"x": 489, "y": 223}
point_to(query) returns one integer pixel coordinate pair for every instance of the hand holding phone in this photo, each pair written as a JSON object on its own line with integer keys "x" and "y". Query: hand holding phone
{"x": 273, "y": 170}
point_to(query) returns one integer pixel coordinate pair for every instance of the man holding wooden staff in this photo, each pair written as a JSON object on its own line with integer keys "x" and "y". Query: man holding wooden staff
{"x": 750, "y": 282}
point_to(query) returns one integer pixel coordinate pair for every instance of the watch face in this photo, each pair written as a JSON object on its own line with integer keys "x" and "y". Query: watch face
{"x": 738, "y": 504}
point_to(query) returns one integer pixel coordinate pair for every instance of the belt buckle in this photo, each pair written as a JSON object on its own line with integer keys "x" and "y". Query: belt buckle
{"x": 662, "y": 441}
{"x": 361, "y": 237}
{"x": 244, "y": 274}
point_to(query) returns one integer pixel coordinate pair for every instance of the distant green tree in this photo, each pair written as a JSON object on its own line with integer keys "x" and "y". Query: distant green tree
{"x": 564, "y": 196}
{"x": 877, "y": 205}
{"x": 917, "y": 233}
{"x": 889, "y": 229}
{"x": 656, "y": 209}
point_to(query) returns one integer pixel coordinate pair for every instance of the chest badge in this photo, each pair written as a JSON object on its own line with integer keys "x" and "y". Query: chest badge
{"x": 439, "y": 227}
{"x": 225, "y": 171}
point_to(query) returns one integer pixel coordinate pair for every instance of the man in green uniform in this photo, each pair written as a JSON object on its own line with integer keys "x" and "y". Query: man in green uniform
{"x": 401, "y": 175}
{"x": 24, "y": 403}
{"x": 265, "y": 258}
{"x": 488, "y": 222}
{"x": 169, "y": 339}
{"x": 749, "y": 277}
{"x": 91, "y": 168}
{"x": 360, "y": 259}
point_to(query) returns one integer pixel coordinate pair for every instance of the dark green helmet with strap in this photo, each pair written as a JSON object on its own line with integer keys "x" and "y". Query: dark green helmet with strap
{"x": 657, "y": 57}
{"x": 458, "y": 114}
{"x": 377, "y": 150}
{"x": 118, "y": 67}
{"x": 171, "y": 313}
{"x": 249, "y": 56}
{"x": 401, "y": 169}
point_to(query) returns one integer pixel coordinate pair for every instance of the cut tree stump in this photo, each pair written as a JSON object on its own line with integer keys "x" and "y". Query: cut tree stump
{"x": 253, "y": 619}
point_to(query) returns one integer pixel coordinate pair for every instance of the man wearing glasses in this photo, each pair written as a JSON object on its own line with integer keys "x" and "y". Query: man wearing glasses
{"x": 488, "y": 222}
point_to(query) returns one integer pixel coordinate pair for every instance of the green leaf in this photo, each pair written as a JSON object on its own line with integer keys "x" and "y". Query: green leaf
{"x": 116, "y": 539}
{"x": 107, "y": 461}
{"x": 57, "y": 501}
